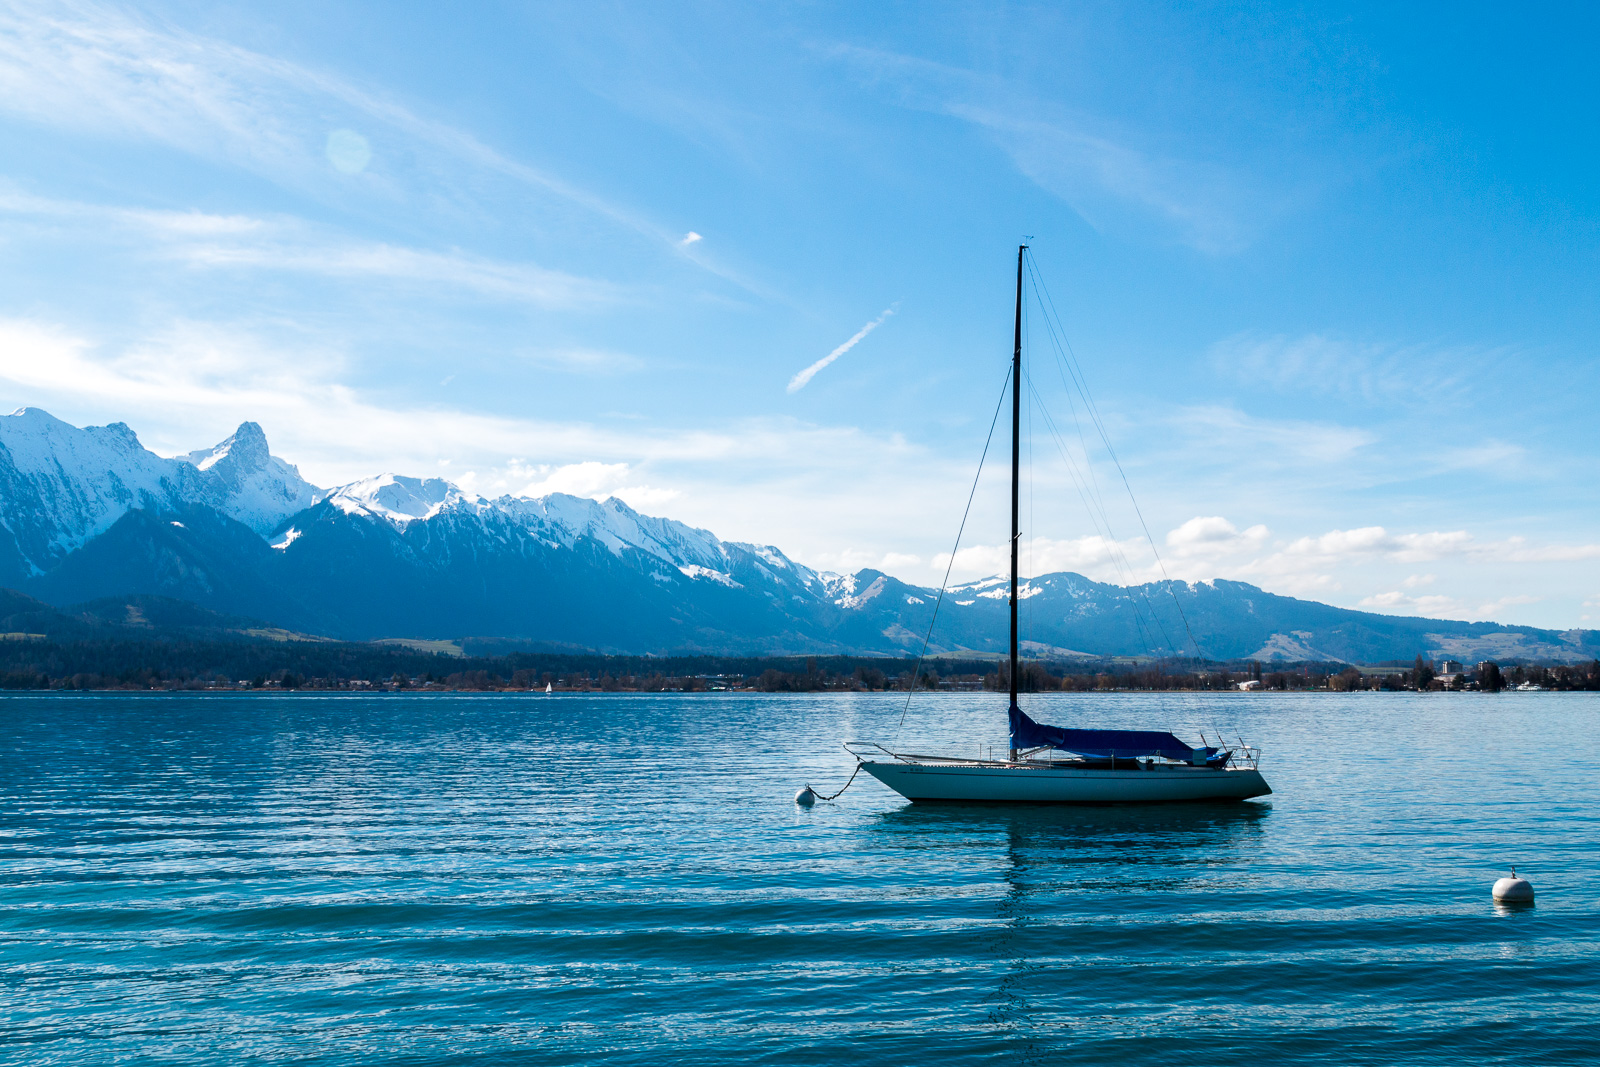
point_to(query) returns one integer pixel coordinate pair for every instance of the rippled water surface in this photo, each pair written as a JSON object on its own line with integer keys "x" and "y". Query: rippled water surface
{"x": 625, "y": 879}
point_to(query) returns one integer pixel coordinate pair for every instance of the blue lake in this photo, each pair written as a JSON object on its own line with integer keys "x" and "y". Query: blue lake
{"x": 421, "y": 879}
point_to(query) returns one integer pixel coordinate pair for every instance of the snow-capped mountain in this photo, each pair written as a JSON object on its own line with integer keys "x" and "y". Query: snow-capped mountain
{"x": 246, "y": 482}
{"x": 90, "y": 513}
{"x": 555, "y": 521}
{"x": 62, "y": 486}
{"x": 395, "y": 498}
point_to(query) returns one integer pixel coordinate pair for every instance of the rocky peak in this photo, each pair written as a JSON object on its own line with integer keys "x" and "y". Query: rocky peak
{"x": 244, "y": 452}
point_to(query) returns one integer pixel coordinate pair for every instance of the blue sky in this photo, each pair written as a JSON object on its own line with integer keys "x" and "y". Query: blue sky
{"x": 1330, "y": 272}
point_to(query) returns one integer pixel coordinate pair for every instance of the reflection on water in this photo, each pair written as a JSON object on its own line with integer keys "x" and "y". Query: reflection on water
{"x": 1054, "y": 861}
{"x": 1136, "y": 846}
{"x": 1140, "y": 827}
{"x": 1513, "y": 907}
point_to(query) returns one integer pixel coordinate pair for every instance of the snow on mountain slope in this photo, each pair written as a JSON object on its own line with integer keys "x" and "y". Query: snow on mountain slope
{"x": 247, "y": 482}
{"x": 61, "y": 485}
{"x": 561, "y": 521}
{"x": 398, "y": 499}
{"x": 66, "y": 484}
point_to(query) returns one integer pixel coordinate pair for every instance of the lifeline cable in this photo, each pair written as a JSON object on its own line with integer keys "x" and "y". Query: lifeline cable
{"x": 942, "y": 585}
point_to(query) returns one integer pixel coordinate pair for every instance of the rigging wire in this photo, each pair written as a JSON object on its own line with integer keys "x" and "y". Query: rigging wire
{"x": 1119, "y": 560}
{"x": 1088, "y": 488}
{"x": 987, "y": 441}
{"x": 1027, "y": 412}
{"x": 1070, "y": 360}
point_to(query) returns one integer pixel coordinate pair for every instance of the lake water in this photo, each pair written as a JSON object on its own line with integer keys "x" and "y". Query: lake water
{"x": 451, "y": 879}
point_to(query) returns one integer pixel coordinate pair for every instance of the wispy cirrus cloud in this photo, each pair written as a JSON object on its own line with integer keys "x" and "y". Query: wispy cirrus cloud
{"x": 102, "y": 70}
{"x": 1372, "y": 371}
{"x": 1085, "y": 161}
{"x": 376, "y": 260}
{"x": 288, "y": 245}
{"x": 1235, "y": 436}
{"x": 584, "y": 360}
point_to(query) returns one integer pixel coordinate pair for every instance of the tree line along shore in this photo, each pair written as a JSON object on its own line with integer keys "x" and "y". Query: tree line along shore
{"x": 181, "y": 664}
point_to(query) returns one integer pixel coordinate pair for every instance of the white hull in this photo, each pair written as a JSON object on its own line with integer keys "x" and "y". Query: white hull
{"x": 1042, "y": 783}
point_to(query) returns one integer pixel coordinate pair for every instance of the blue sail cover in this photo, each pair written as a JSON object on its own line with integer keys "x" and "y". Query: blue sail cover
{"x": 1104, "y": 744}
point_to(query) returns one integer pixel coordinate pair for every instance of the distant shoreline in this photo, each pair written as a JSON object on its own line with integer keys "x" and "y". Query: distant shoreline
{"x": 212, "y": 661}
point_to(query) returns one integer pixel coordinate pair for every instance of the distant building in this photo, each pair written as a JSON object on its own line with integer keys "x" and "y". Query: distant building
{"x": 1250, "y": 685}
{"x": 1450, "y": 673}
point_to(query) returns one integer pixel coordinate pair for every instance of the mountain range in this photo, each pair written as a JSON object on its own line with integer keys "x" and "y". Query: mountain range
{"x": 89, "y": 513}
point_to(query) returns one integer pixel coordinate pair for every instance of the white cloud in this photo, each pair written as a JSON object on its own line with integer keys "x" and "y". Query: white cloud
{"x": 1376, "y": 541}
{"x": 844, "y": 561}
{"x": 592, "y": 479}
{"x": 1094, "y": 556}
{"x": 589, "y": 478}
{"x": 756, "y": 479}
{"x": 1214, "y": 535}
{"x": 799, "y": 381}
{"x": 197, "y": 375}
{"x": 806, "y": 488}
{"x": 1438, "y": 606}
{"x": 689, "y": 238}
{"x": 1517, "y": 550}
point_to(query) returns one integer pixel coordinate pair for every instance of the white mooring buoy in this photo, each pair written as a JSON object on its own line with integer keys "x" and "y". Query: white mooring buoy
{"x": 805, "y": 798}
{"x": 1514, "y": 889}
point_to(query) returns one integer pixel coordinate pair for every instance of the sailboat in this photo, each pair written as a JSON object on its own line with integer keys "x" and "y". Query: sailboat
{"x": 1053, "y": 764}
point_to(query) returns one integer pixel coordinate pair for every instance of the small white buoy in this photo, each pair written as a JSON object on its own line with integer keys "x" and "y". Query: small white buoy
{"x": 805, "y": 798}
{"x": 1514, "y": 889}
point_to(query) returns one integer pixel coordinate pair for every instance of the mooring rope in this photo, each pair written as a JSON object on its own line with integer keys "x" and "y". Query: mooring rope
{"x": 840, "y": 793}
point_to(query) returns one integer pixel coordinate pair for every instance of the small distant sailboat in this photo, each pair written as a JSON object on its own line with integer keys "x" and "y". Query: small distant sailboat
{"x": 548, "y": 689}
{"x": 1052, "y": 764}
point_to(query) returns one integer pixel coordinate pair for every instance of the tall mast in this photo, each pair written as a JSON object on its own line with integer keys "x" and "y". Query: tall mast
{"x": 1016, "y": 464}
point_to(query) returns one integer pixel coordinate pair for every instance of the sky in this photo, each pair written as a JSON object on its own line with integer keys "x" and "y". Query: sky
{"x": 1328, "y": 273}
